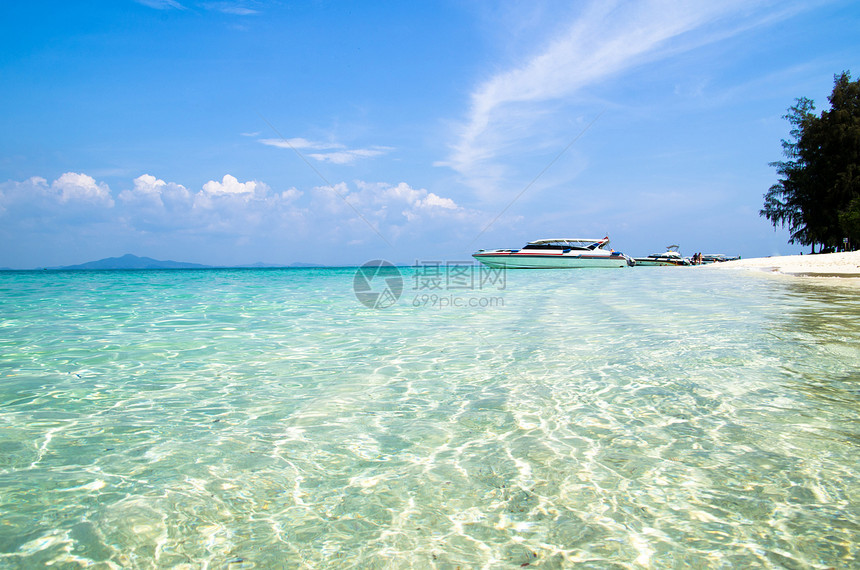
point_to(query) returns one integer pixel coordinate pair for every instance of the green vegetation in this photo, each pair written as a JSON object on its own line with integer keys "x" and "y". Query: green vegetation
{"x": 818, "y": 194}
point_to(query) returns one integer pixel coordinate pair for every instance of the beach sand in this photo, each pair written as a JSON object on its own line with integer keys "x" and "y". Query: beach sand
{"x": 845, "y": 264}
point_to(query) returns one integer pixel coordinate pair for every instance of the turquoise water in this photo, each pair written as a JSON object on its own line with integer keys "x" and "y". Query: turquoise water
{"x": 630, "y": 418}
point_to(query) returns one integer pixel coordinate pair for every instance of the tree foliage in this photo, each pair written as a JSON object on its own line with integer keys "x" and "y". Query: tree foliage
{"x": 817, "y": 196}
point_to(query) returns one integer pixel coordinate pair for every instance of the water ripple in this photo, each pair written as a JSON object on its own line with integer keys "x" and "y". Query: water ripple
{"x": 258, "y": 419}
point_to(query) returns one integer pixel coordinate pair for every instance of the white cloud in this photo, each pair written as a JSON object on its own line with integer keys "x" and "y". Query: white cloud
{"x": 148, "y": 186}
{"x": 233, "y": 206}
{"x": 229, "y": 212}
{"x": 234, "y": 8}
{"x": 434, "y": 201}
{"x": 335, "y": 153}
{"x": 415, "y": 198}
{"x": 73, "y": 198}
{"x": 411, "y": 203}
{"x": 230, "y": 185}
{"x": 13, "y": 194}
{"x": 397, "y": 212}
{"x": 73, "y": 187}
{"x": 605, "y": 39}
{"x": 348, "y": 156}
{"x": 162, "y": 4}
{"x": 156, "y": 202}
{"x": 299, "y": 143}
{"x": 291, "y": 195}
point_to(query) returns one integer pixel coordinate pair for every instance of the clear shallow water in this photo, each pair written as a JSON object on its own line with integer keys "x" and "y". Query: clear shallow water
{"x": 641, "y": 418}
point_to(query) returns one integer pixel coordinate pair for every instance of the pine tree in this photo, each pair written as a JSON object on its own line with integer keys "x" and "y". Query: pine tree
{"x": 818, "y": 194}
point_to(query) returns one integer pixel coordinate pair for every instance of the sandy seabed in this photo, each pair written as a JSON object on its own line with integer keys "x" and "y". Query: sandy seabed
{"x": 846, "y": 264}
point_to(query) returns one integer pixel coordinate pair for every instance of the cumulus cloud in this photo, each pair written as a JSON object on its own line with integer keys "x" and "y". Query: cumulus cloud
{"x": 396, "y": 203}
{"x": 74, "y": 187}
{"x": 291, "y": 195}
{"x": 155, "y": 205}
{"x": 230, "y": 185}
{"x": 75, "y": 208}
{"x": 434, "y": 201}
{"x": 394, "y": 211}
{"x": 169, "y": 204}
{"x": 35, "y": 205}
{"x": 382, "y": 197}
{"x": 149, "y": 189}
{"x": 415, "y": 199}
{"x": 71, "y": 190}
{"x": 34, "y": 189}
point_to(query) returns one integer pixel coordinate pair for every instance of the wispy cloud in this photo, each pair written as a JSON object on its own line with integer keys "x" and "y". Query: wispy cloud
{"x": 604, "y": 40}
{"x": 334, "y": 153}
{"x": 162, "y": 4}
{"x": 349, "y": 156}
{"x": 235, "y": 8}
{"x": 299, "y": 143}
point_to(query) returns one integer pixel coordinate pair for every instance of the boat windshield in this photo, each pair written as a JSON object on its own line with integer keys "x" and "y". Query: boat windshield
{"x": 580, "y": 244}
{"x": 555, "y": 246}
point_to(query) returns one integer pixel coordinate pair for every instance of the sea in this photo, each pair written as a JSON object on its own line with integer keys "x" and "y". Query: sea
{"x": 438, "y": 416}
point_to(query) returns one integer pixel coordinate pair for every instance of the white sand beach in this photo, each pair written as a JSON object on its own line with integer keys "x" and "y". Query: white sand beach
{"x": 845, "y": 264}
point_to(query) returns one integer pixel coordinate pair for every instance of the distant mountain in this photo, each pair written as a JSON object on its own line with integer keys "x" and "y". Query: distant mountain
{"x": 258, "y": 265}
{"x": 130, "y": 261}
{"x": 299, "y": 264}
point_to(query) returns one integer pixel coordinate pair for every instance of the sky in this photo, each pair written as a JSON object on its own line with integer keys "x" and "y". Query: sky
{"x": 333, "y": 132}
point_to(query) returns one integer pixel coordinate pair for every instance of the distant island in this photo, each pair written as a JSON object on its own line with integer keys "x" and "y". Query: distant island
{"x": 134, "y": 262}
{"x": 129, "y": 261}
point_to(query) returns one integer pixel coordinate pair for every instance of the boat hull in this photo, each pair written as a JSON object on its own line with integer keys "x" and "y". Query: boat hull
{"x": 556, "y": 261}
{"x": 658, "y": 262}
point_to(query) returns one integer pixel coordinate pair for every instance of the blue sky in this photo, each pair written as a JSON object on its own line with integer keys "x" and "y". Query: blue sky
{"x": 230, "y": 132}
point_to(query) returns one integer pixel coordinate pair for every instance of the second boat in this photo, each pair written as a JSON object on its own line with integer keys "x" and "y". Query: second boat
{"x": 565, "y": 253}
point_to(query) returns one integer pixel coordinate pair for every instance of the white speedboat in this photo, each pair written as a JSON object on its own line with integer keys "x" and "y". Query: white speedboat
{"x": 717, "y": 258}
{"x": 555, "y": 254}
{"x": 669, "y": 257}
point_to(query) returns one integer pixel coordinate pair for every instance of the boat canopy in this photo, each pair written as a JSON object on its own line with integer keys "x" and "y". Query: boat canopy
{"x": 577, "y": 243}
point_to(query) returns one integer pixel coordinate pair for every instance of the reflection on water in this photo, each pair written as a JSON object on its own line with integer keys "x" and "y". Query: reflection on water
{"x": 824, "y": 321}
{"x": 242, "y": 419}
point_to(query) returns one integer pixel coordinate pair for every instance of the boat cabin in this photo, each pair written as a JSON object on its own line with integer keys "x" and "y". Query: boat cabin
{"x": 567, "y": 244}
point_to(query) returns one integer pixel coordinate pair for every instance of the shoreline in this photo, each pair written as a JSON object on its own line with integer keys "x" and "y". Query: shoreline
{"x": 837, "y": 265}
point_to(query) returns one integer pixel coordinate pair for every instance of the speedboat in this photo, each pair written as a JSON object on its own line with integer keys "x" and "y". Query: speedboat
{"x": 669, "y": 257}
{"x": 717, "y": 258}
{"x": 555, "y": 254}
